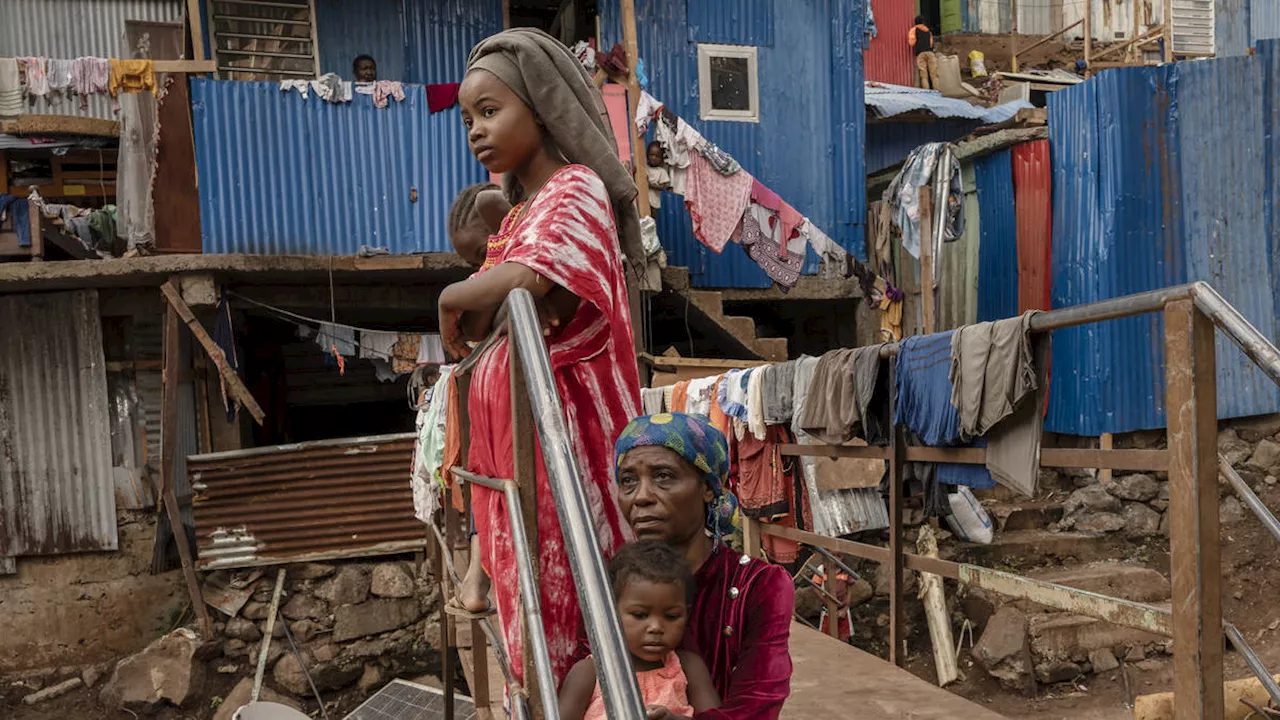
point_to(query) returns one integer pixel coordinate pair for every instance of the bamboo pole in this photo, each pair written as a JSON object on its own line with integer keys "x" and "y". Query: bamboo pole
{"x": 631, "y": 47}
{"x": 935, "y": 610}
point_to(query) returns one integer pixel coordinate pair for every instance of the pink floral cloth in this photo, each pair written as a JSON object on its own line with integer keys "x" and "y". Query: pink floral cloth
{"x": 716, "y": 202}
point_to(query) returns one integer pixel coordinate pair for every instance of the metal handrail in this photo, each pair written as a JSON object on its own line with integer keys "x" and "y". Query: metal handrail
{"x": 618, "y": 686}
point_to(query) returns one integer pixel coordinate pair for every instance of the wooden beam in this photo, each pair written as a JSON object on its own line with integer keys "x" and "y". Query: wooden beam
{"x": 1104, "y": 443}
{"x": 168, "y": 450}
{"x": 1013, "y": 39}
{"x": 1044, "y": 40}
{"x": 196, "y": 24}
{"x": 234, "y": 383}
{"x": 1088, "y": 36}
{"x": 37, "y": 237}
{"x": 630, "y": 45}
{"x": 185, "y": 66}
{"x": 1195, "y": 567}
{"x": 1168, "y": 57}
{"x": 37, "y": 124}
{"x": 897, "y": 602}
{"x": 928, "y": 311}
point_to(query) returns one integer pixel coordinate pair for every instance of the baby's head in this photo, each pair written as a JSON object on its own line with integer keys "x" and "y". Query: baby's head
{"x": 654, "y": 589}
{"x": 475, "y": 215}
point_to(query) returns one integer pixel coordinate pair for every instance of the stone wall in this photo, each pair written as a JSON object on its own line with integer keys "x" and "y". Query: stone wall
{"x": 87, "y": 607}
{"x": 353, "y": 621}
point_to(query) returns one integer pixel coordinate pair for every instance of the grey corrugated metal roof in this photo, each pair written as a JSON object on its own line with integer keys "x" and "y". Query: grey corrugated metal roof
{"x": 57, "y": 493}
{"x": 886, "y": 101}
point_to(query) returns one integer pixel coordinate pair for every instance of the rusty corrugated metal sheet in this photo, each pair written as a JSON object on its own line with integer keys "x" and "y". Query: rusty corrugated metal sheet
{"x": 888, "y": 58}
{"x": 57, "y": 492}
{"x": 1033, "y": 197}
{"x": 317, "y": 500}
{"x": 72, "y": 28}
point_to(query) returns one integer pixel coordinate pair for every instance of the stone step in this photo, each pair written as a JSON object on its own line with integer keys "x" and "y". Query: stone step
{"x": 1034, "y": 547}
{"x": 1064, "y": 636}
{"x": 1122, "y": 580}
{"x": 1028, "y": 515}
{"x": 711, "y": 304}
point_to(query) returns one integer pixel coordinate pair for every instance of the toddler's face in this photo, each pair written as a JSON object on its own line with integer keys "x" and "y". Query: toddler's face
{"x": 653, "y": 618}
{"x": 471, "y": 242}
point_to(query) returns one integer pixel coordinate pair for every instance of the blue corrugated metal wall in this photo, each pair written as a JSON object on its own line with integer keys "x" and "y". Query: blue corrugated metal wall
{"x": 998, "y": 248}
{"x": 731, "y": 22}
{"x": 1150, "y": 170}
{"x": 283, "y": 175}
{"x": 808, "y": 145}
{"x": 417, "y": 41}
{"x": 889, "y": 143}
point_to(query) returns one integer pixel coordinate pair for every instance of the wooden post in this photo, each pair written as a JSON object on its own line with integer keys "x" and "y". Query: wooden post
{"x": 480, "y": 667}
{"x": 1013, "y": 35}
{"x": 1168, "y": 30}
{"x": 264, "y": 646}
{"x": 1135, "y": 52}
{"x": 935, "y": 610}
{"x": 1104, "y": 442}
{"x": 833, "y": 607}
{"x": 447, "y": 632}
{"x": 168, "y": 449}
{"x": 524, "y": 467}
{"x": 196, "y": 24}
{"x": 927, "y": 309}
{"x": 1088, "y": 36}
{"x": 897, "y": 607}
{"x": 1191, "y": 399}
{"x": 751, "y": 546}
{"x": 37, "y": 238}
{"x": 630, "y": 46}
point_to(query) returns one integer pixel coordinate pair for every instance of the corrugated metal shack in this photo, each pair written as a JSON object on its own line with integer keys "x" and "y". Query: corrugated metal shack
{"x": 808, "y": 143}
{"x": 1158, "y": 174}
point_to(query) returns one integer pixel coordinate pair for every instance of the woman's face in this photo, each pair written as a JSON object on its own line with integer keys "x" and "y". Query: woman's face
{"x": 663, "y": 497}
{"x": 501, "y": 129}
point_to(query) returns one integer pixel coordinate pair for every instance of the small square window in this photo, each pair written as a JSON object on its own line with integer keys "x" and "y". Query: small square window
{"x": 728, "y": 83}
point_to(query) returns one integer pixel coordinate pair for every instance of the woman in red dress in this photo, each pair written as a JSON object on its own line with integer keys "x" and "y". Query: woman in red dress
{"x": 560, "y": 242}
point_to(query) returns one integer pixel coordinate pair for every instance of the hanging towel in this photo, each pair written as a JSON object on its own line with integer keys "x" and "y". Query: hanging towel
{"x": 10, "y": 88}
{"x": 37, "y": 76}
{"x": 701, "y": 392}
{"x": 430, "y": 350}
{"x": 732, "y": 394}
{"x": 680, "y": 396}
{"x": 132, "y": 76}
{"x": 716, "y": 202}
{"x": 377, "y": 345}
{"x": 59, "y": 72}
{"x": 755, "y": 404}
{"x": 442, "y": 96}
{"x": 778, "y": 396}
{"x": 302, "y": 86}
{"x": 387, "y": 89}
{"x": 651, "y": 400}
{"x": 90, "y": 76}
{"x": 645, "y": 110}
{"x": 846, "y": 397}
{"x": 331, "y": 88}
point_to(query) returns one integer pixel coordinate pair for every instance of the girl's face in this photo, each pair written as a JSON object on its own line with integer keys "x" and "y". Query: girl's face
{"x": 501, "y": 129}
{"x": 653, "y": 618}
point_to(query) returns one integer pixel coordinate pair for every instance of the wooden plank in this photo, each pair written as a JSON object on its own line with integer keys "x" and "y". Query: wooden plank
{"x": 59, "y": 125}
{"x": 185, "y": 66}
{"x": 929, "y": 313}
{"x": 897, "y": 603}
{"x": 168, "y": 449}
{"x": 37, "y": 237}
{"x": 176, "y": 195}
{"x": 874, "y": 553}
{"x": 664, "y": 362}
{"x": 196, "y": 25}
{"x": 234, "y": 383}
{"x": 1104, "y": 443}
{"x": 69, "y": 190}
{"x": 630, "y": 46}
{"x": 1195, "y": 567}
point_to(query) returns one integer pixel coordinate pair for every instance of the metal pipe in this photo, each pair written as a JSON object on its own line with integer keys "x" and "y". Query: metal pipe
{"x": 532, "y": 606}
{"x": 1238, "y": 329}
{"x": 1255, "y": 664}
{"x": 1246, "y": 494}
{"x": 468, "y": 476}
{"x": 613, "y": 663}
{"x": 838, "y": 562}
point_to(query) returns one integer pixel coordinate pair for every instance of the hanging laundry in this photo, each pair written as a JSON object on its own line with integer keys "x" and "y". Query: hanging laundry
{"x": 848, "y": 397}
{"x": 302, "y": 86}
{"x": 722, "y": 161}
{"x": 781, "y": 267}
{"x": 452, "y": 444}
{"x": 788, "y": 219}
{"x": 994, "y": 386}
{"x": 826, "y": 248}
{"x": 755, "y": 404}
{"x": 387, "y": 89}
{"x": 700, "y": 396}
{"x": 10, "y": 88}
{"x": 35, "y": 72}
{"x": 731, "y": 394}
{"x": 19, "y": 211}
{"x": 668, "y": 132}
{"x": 645, "y": 111}
{"x": 332, "y": 88}
{"x": 430, "y": 350}
{"x": 777, "y": 390}
{"x": 680, "y": 396}
{"x": 651, "y": 401}
{"x": 60, "y": 77}
{"x": 891, "y": 315}
{"x": 337, "y": 338}
{"x": 716, "y": 202}
{"x": 90, "y": 76}
{"x": 585, "y": 54}
{"x": 404, "y": 354}
{"x": 428, "y": 455}
{"x": 377, "y": 345}
{"x": 442, "y": 96}
{"x": 924, "y": 404}
{"x": 902, "y": 194}
{"x": 762, "y": 475}
{"x": 224, "y": 335}
{"x": 132, "y": 76}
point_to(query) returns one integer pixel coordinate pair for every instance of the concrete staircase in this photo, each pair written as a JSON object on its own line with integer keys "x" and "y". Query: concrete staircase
{"x": 707, "y": 311}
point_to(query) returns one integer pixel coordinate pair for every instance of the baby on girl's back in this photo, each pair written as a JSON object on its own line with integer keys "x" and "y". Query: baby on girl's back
{"x": 654, "y": 588}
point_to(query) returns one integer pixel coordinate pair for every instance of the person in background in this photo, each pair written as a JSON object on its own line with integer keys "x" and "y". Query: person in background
{"x": 920, "y": 38}
{"x": 476, "y": 215}
{"x": 659, "y": 176}
{"x": 671, "y": 470}
{"x": 654, "y": 587}
{"x": 364, "y": 68}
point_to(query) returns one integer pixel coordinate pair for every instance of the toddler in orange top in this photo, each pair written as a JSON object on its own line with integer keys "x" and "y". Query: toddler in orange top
{"x": 654, "y": 588}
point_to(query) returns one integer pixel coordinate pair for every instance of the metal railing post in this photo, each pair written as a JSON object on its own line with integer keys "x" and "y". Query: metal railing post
{"x": 617, "y": 680}
{"x": 1191, "y": 402}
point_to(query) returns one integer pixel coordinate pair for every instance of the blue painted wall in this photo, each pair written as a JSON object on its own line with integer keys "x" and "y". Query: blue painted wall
{"x": 1157, "y": 173}
{"x": 808, "y": 145}
{"x": 997, "y": 228}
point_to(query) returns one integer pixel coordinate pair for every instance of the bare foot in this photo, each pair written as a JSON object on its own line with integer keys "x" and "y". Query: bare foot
{"x": 473, "y": 593}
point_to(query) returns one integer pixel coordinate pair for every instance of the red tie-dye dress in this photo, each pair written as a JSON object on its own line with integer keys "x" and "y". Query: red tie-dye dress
{"x": 567, "y": 235}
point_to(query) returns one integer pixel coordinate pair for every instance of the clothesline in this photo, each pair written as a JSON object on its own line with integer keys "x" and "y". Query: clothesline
{"x": 42, "y": 77}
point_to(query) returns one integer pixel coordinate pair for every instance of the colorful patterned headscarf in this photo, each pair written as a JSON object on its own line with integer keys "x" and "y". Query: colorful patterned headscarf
{"x": 693, "y": 438}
